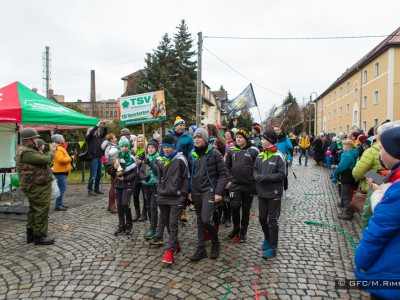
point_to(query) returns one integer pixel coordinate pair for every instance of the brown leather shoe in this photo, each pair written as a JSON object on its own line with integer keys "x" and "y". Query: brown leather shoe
{"x": 113, "y": 208}
{"x": 91, "y": 193}
{"x": 99, "y": 192}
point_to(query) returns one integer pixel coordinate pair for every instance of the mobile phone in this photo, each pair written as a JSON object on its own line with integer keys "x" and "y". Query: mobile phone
{"x": 376, "y": 178}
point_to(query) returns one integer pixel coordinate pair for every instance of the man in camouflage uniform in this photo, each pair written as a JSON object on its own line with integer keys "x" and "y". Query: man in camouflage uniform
{"x": 35, "y": 178}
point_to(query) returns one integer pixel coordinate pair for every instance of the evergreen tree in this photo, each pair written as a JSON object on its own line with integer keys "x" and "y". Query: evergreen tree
{"x": 244, "y": 120}
{"x": 289, "y": 99}
{"x": 184, "y": 88}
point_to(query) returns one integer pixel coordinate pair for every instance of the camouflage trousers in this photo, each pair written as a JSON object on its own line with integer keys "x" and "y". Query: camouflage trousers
{"x": 39, "y": 204}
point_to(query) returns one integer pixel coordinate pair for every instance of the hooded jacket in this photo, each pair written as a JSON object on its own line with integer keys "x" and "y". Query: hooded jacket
{"x": 173, "y": 179}
{"x": 377, "y": 255}
{"x": 285, "y": 146}
{"x": 106, "y": 146}
{"x": 269, "y": 172}
{"x": 347, "y": 162}
{"x": 62, "y": 161}
{"x": 207, "y": 172}
{"x": 240, "y": 162}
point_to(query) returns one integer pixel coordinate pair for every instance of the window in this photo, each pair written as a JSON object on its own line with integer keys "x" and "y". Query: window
{"x": 340, "y": 129}
{"x": 376, "y": 69}
{"x": 365, "y": 76}
{"x": 355, "y": 93}
{"x": 334, "y": 129}
{"x": 365, "y": 101}
{"x": 376, "y": 97}
{"x": 107, "y": 114}
{"x": 341, "y": 92}
{"x": 355, "y": 116}
{"x": 364, "y": 126}
{"x": 375, "y": 122}
{"x": 348, "y": 86}
{"x": 329, "y": 115}
{"x": 340, "y": 111}
{"x": 115, "y": 113}
{"x": 329, "y": 99}
{"x": 347, "y": 109}
{"x": 334, "y": 95}
{"x": 347, "y": 128}
{"x": 334, "y": 113}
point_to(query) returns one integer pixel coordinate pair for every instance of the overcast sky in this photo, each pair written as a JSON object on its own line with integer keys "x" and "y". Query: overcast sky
{"x": 112, "y": 37}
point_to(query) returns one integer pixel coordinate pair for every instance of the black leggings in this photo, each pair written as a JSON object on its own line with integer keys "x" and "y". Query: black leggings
{"x": 136, "y": 194}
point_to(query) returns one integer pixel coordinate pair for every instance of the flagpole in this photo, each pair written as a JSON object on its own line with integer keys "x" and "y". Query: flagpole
{"x": 255, "y": 100}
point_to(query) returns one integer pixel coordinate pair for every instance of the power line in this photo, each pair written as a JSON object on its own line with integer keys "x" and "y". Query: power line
{"x": 301, "y": 38}
{"x": 236, "y": 71}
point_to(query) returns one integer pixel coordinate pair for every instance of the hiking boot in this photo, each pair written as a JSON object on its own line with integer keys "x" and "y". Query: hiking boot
{"x": 269, "y": 253}
{"x": 157, "y": 241}
{"x": 29, "y": 236}
{"x": 91, "y": 193}
{"x": 199, "y": 254}
{"x": 344, "y": 216}
{"x": 43, "y": 240}
{"x": 143, "y": 217}
{"x": 120, "y": 229}
{"x": 214, "y": 253}
{"x": 168, "y": 257}
{"x": 99, "y": 192}
{"x": 60, "y": 208}
{"x": 265, "y": 245}
{"x": 65, "y": 206}
{"x": 128, "y": 229}
{"x": 151, "y": 234}
{"x": 243, "y": 236}
{"x": 183, "y": 216}
{"x": 137, "y": 215}
{"x": 113, "y": 208}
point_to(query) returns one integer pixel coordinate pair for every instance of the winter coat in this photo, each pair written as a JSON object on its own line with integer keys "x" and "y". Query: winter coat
{"x": 347, "y": 163}
{"x": 94, "y": 141}
{"x": 173, "y": 179}
{"x": 106, "y": 147}
{"x": 207, "y": 172}
{"x": 377, "y": 256}
{"x": 240, "y": 162}
{"x": 185, "y": 142}
{"x": 319, "y": 149}
{"x": 269, "y": 172}
{"x": 62, "y": 161}
{"x": 285, "y": 146}
{"x": 367, "y": 162}
{"x": 147, "y": 175}
{"x": 304, "y": 142}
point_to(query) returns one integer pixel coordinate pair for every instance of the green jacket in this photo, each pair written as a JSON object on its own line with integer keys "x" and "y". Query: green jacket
{"x": 368, "y": 161}
{"x": 33, "y": 168}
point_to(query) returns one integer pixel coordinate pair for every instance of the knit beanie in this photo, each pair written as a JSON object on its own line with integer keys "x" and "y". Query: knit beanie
{"x": 152, "y": 142}
{"x": 212, "y": 139}
{"x": 123, "y": 141}
{"x": 257, "y": 127}
{"x": 193, "y": 127}
{"x": 201, "y": 132}
{"x": 390, "y": 140}
{"x": 243, "y": 132}
{"x": 56, "y": 138}
{"x": 169, "y": 141}
{"x": 270, "y": 136}
{"x": 40, "y": 143}
{"x": 178, "y": 121}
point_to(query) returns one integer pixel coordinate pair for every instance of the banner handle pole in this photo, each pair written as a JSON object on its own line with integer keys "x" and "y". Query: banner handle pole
{"x": 143, "y": 129}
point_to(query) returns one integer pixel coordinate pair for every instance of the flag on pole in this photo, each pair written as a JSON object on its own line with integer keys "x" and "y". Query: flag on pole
{"x": 281, "y": 112}
{"x": 245, "y": 99}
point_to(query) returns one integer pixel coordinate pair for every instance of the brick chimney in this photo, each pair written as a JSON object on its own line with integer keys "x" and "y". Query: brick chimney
{"x": 92, "y": 86}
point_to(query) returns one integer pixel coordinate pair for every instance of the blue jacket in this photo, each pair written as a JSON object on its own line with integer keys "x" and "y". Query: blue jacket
{"x": 285, "y": 146}
{"x": 185, "y": 142}
{"x": 377, "y": 256}
{"x": 347, "y": 163}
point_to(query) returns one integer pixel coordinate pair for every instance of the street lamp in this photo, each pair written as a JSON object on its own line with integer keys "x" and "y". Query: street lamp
{"x": 315, "y": 114}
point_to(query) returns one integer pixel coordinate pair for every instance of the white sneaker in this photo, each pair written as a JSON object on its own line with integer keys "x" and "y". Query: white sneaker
{"x": 286, "y": 194}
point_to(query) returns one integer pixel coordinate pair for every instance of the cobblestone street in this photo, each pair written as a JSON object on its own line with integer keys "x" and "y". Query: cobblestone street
{"x": 88, "y": 261}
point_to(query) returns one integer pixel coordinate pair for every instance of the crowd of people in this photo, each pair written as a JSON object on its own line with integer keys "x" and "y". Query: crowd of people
{"x": 217, "y": 171}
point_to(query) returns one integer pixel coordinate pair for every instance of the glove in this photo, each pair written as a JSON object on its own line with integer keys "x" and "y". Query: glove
{"x": 259, "y": 178}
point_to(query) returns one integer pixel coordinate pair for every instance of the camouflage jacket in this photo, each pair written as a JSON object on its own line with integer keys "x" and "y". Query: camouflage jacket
{"x": 33, "y": 168}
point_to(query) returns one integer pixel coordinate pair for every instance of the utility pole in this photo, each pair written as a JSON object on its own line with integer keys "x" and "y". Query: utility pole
{"x": 46, "y": 72}
{"x": 198, "y": 94}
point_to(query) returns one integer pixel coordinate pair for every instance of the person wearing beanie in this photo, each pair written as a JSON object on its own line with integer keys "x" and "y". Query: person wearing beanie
{"x": 61, "y": 169}
{"x": 286, "y": 148}
{"x": 208, "y": 177}
{"x": 378, "y": 249}
{"x": 149, "y": 182}
{"x": 192, "y": 129}
{"x": 343, "y": 171}
{"x": 269, "y": 173}
{"x": 125, "y": 172}
{"x": 256, "y": 135}
{"x": 94, "y": 139}
{"x": 40, "y": 145}
{"x": 239, "y": 162}
{"x": 184, "y": 144}
{"x": 172, "y": 189}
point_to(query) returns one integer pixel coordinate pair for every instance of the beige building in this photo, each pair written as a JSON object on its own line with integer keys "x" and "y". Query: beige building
{"x": 365, "y": 95}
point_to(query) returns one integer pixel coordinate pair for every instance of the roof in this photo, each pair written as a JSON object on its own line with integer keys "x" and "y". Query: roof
{"x": 392, "y": 40}
{"x": 134, "y": 74}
